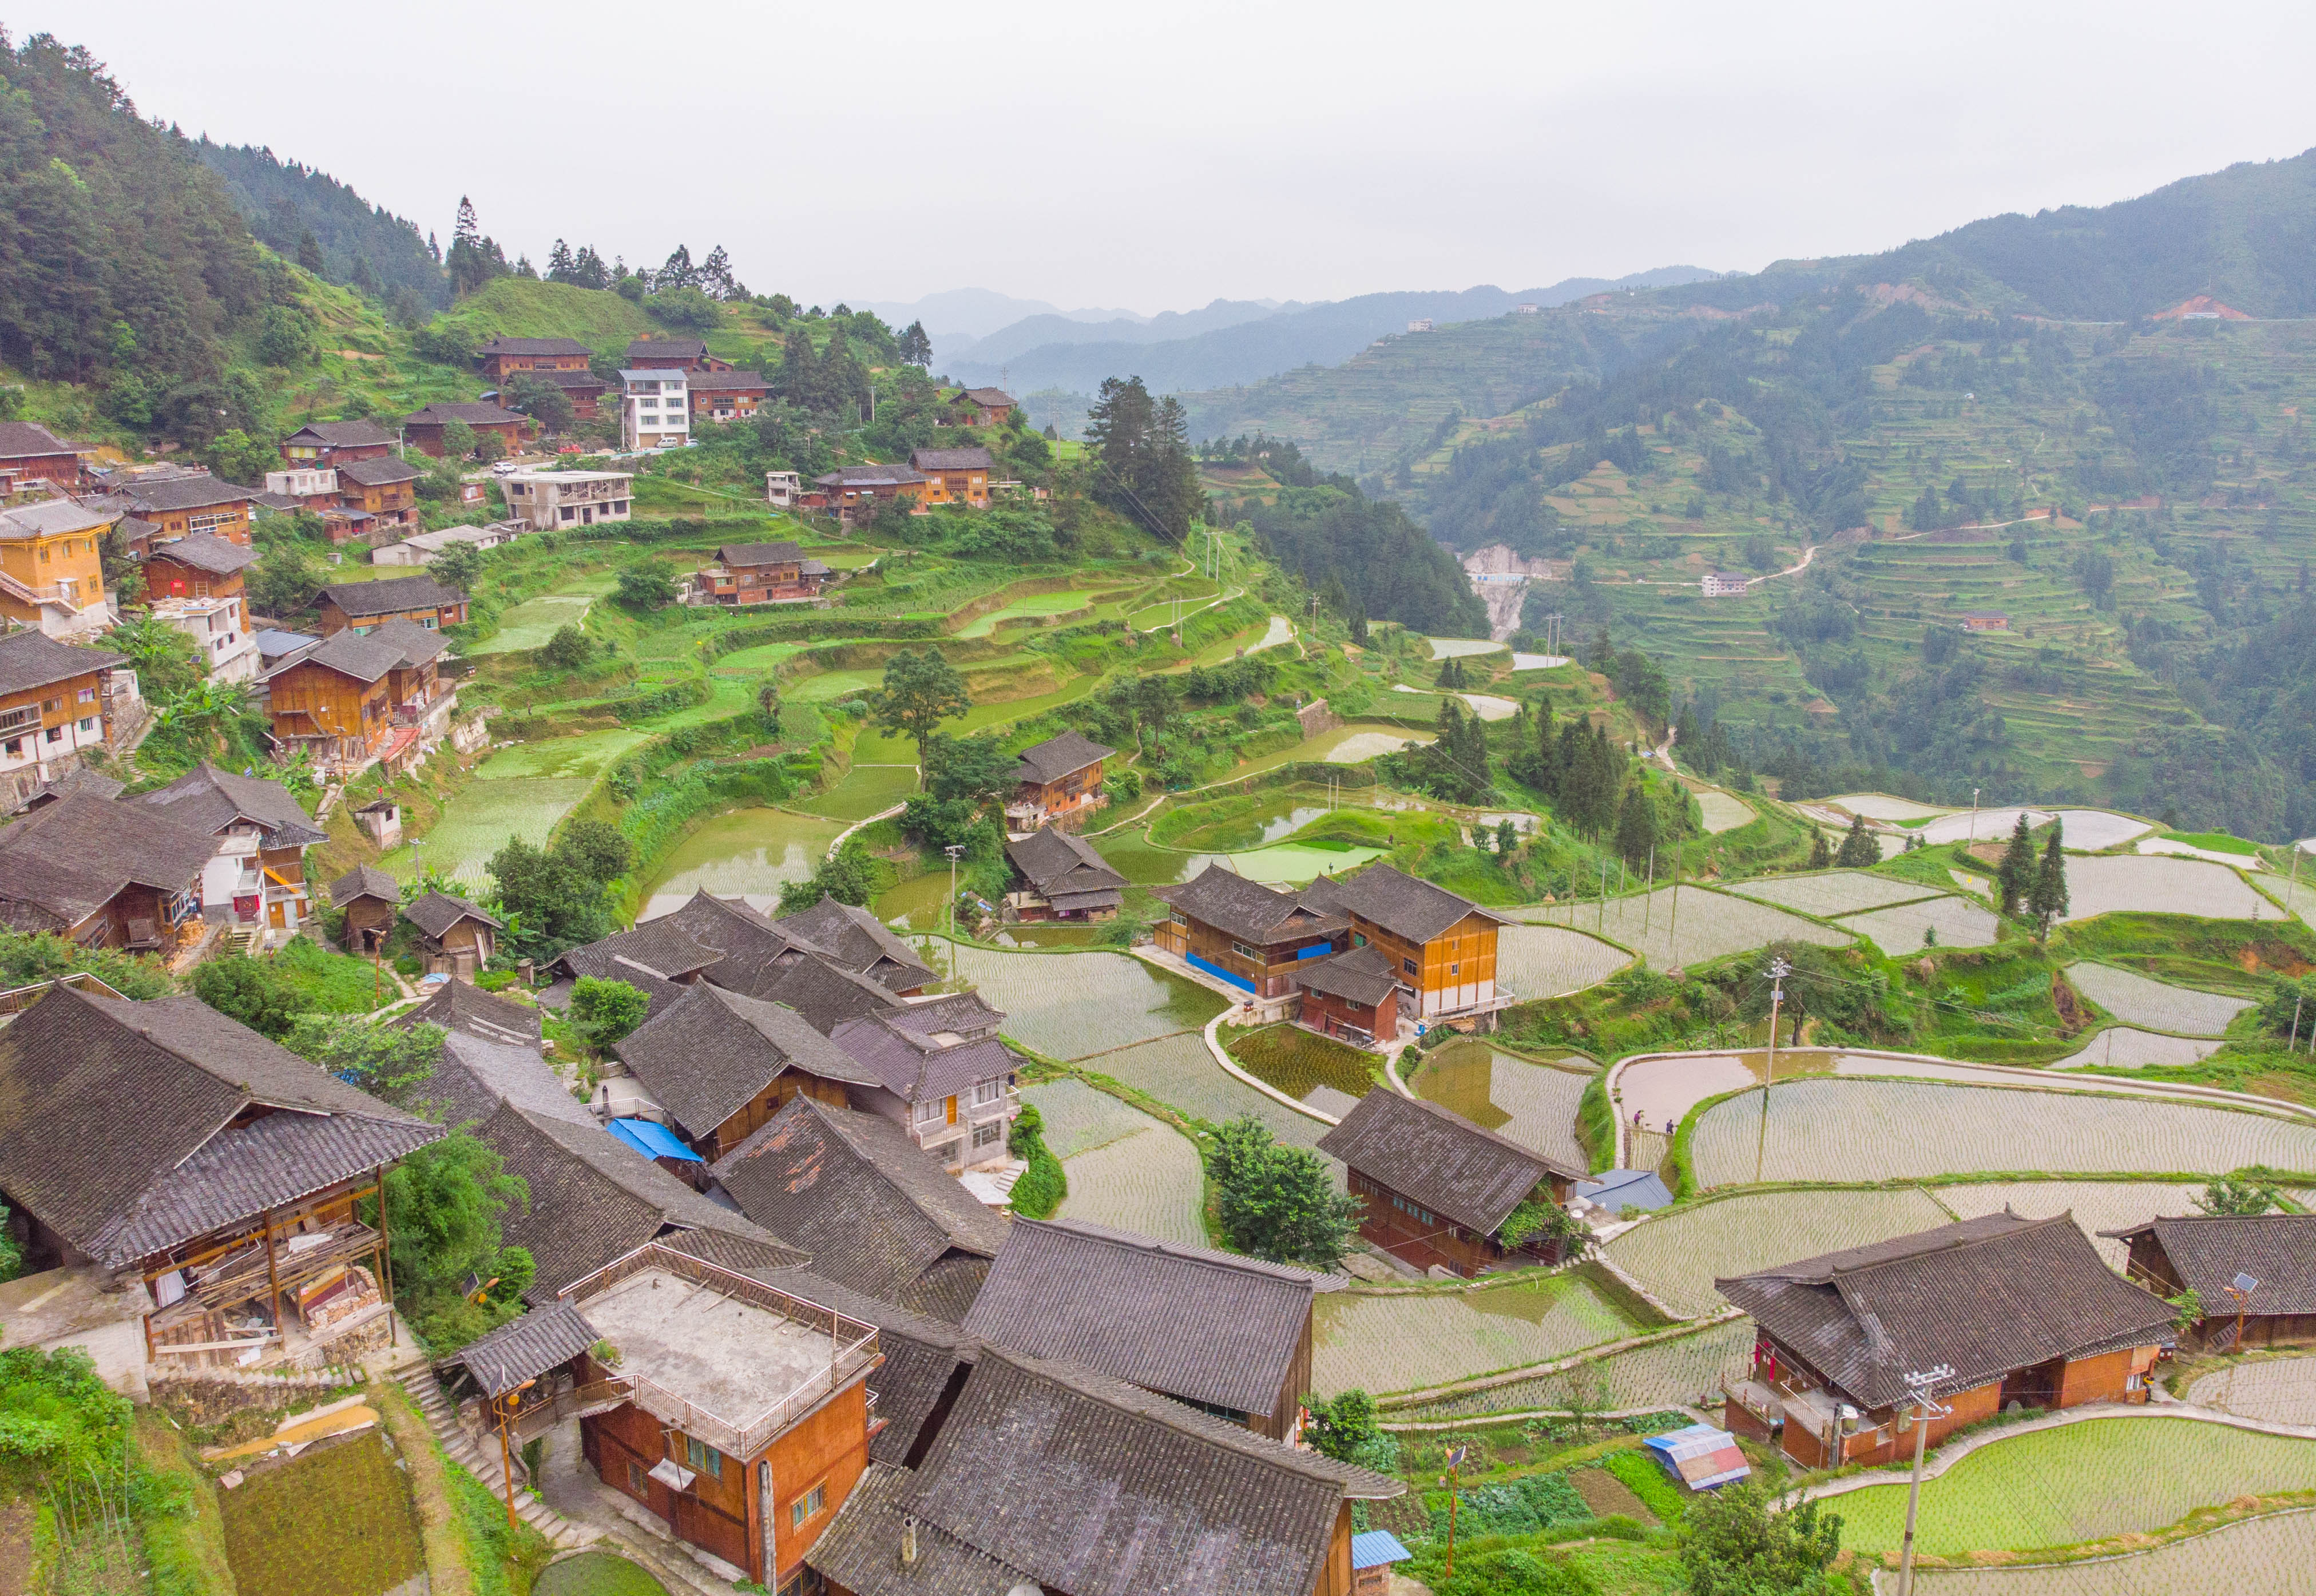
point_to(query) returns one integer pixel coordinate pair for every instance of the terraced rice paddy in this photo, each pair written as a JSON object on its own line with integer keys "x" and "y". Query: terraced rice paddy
{"x": 1533, "y": 1104}
{"x": 529, "y": 624}
{"x": 2086, "y": 830}
{"x": 1396, "y": 1342}
{"x": 1362, "y": 746}
{"x": 1462, "y": 647}
{"x": 754, "y": 662}
{"x": 2262, "y": 1557}
{"x": 1073, "y": 1005}
{"x": 1302, "y": 1064}
{"x": 831, "y": 685}
{"x": 1537, "y": 961}
{"x": 1126, "y": 1169}
{"x": 1881, "y": 805}
{"x": 1678, "y": 1254}
{"x": 1347, "y": 743}
{"x": 863, "y": 790}
{"x": 1705, "y": 925}
{"x": 1835, "y": 892}
{"x": 1908, "y": 928}
{"x": 1035, "y": 606}
{"x": 2123, "y": 1046}
{"x": 1179, "y": 1070}
{"x": 1296, "y": 864}
{"x": 2156, "y": 1005}
{"x": 2075, "y": 1482}
{"x": 1721, "y": 812}
{"x": 749, "y": 854}
{"x": 1280, "y": 631}
{"x": 1846, "y": 1128}
{"x": 1679, "y": 1370}
{"x": 2162, "y": 886}
{"x": 2097, "y": 1205}
{"x": 524, "y": 791}
{"x": 1079, "y": 1119}
{"x": 2279, "y": 1390}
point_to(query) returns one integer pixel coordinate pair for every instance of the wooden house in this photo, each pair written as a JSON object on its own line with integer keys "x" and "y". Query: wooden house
{"x": 754, "y": 951}
{"x": 1443, "y": 946}
{"x": 980, "y": 408}
{"x": 57, "y": 702}
{"x": 583, "y": 387}
{"x": 77, "y": 783}
{"x": 103, "y": 873}
{"x": 720, "y": 1064}
{"x": 323, "y": 444}
{"x": 370, "y": 900}
{"x": 364, "y": 606}
{"x": 1985, "y": 620}
{"x": 672, "y": 354}
{"x": 1061, "y": 877}
{"x": 849, "y": 487}
{"x": 747, "y": 1419}
{"x": 361, "y": 695}
{"x": 1227, "y": 1335}
{"x": 202, "y": 566}
{"x": 1059, "y": 778}
{"x": 1251, "y": 936}
{"x": 2025, "y": 1312}
{"x": 459, "y": 938}
{"x": 1353, "y": 997}
{"x": 422, "y": 429}
{"x": 953, "y": 475}
{"x": 180, "y": 506}
{"x": 384, "y": 489}
{"x": 942, "y": 1074}
{"x": 761, "y": 574}
{"x": 1438, "y": 1188}
{"x": 2211, "y": 1253}
{"x": 875, "y": 1211}
{"x": 726, "y": 395}
{"x": 1047, "y": 1475}
{"x": 504, "y": 358}
{"x": 258, "y": 876}
{"x": 51, "y": 574}
{"x": 222, "y": 1191}
{"x": 30, "y": 452}
{"x": 857, "y": 940}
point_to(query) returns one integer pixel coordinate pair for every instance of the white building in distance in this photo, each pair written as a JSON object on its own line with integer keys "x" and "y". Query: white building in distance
{"x": 655, "y": 409}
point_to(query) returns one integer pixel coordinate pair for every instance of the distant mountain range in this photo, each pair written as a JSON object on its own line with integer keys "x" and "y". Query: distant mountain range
{"x": 1232, "y": 347}
{"x": 966, "y": 313}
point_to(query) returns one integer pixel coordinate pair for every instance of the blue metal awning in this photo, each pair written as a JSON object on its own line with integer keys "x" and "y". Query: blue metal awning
{"x": 652, "y": 1140}
{"x": 1212, "y": 968}
{"x": 1373, "y": 1549}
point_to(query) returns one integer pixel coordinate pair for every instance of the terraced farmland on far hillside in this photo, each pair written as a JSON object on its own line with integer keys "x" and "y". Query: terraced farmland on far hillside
{"x": 1703, "y": 925}
{"x": 1831, "y": 893}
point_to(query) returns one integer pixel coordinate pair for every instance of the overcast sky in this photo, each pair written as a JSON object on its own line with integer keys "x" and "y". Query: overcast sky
{"x": 1158, "y": 156}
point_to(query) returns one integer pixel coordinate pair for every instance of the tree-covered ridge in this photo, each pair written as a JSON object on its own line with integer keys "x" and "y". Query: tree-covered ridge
{"x": 119, "y": 250}
{"x": 305, "y": 215}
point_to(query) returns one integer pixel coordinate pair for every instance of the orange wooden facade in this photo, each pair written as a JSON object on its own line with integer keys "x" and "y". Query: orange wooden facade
{"x": 1453, "y": 970}
{"x": 431, "y": 617}
{"x": 228, "y": 520}
{"x": 167, "y": 578}
{"x": 752, "y": 1115}
{"x": 313, "y": 704}
{"x": 498, "y": 366}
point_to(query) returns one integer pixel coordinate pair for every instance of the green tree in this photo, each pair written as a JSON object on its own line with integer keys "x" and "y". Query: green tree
{"x": 2015, "y": 873}
{"x": 920, "y": 691}
{"x": 291, "y": 336}
{"x": 445, "y": 1203}
{"x": 1733, "y": 1542}
{"x": 1637, "y": 826}
{"x": 458, "y": 439}
{"x": 561, "y": 895}
{"x": 457, "y": 567}
{"x": 251, "y": 990}
{"x": 2242, "y": 1192}
{"x": 1348, "y": 1427}
{"x": 768, "y": 703}
{"x": 378, "y": 1057}
{"x": 685, "y": 309}
{"x": 284, "y": 580}
{"x": 1142, "y": 465}
{"x": 490, "y": 447}
{"x": 596, "y": 849}
{"x": 1820, "y": 855}
{"x": 1507, "y": 838}
{"x": 166, "y": 661}
{"x": 606, "y": 1010}
{"x": 646, "y": 586}
{"x": 569, "y": 649}
{"x": 543, "y": 402}
{"x": 206, "y": 715}
{"x": 974, "y": 769}
{"x": 1278, "y": 1202}
{"x": 850, "y": 878}
{"x": 1858, "y": 848}
{"x": 2046, "y": 900}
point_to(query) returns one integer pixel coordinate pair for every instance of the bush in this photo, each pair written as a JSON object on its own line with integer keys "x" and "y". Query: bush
{"x": 606, "y": 1010}
{"x": 251, "y": 990}
{"x": 1043, "y": 1185}
{"x": 569, "y": 649}
{"x": 1514, "y": 1571}
{"x": 1277, "y": 1201}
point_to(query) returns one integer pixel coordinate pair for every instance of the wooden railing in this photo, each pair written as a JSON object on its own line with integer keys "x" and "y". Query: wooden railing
{"x": 17, "y": 999}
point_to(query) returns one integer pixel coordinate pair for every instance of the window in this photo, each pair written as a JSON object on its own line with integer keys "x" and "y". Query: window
{"x": 987, "y": 1091}
{"x": 88, "y": 723}
{"x": 1409, "y": 965}
{"x": 55, "y": 734}
{"x": 88, "y": 695}
{"x": 1243, "y": 951}
{"x": 701, "y": 1459}
{"x": 808, "y": 1506}
{"x": 989, "y": 1135}
{"x": 931, "y": 1113}
{"x": 567, "y": 513}
{"x": 639, "y": 1479}
{"x": 16, "y": 748}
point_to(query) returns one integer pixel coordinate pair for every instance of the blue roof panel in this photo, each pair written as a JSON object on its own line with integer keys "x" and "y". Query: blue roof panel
{"x": 652, "y": 1140}
{"x": 1373, "y": 1549}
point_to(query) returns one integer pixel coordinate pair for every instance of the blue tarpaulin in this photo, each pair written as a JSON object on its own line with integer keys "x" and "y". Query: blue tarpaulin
{"x": 1372, "y": 1549}
{"x": 1316, "y": 951}
{"x": 652, "y": 1140}
{"x": 1212, "y": 968}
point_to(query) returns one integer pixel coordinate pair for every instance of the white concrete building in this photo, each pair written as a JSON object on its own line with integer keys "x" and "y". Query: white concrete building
{"x": 548, "y": 500}
{"x": 219, "y": 630}
{"x": 655, "y": 409}
{"x": 424, "y": 549}
{"x": 1725, "y": 584}
{"x": 781, "y": 488}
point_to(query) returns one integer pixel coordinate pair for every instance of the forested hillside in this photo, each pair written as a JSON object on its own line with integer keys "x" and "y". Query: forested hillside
{"x": 311, "y": 217}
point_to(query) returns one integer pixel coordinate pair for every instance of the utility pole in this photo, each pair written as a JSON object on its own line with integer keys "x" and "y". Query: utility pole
{"x": 1649, "y": 904}
{"x": 953, "y": 850}
{"x": 1779, "y": 970}
{"x": 1974, "y": 819}
{"x": 1454, "y": 1463}
{"x": 1926, "y": 1406}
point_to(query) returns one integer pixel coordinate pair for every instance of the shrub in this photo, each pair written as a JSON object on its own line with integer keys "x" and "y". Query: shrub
{"x": 251, "y": 990}
{"x": 1043, "y": 1185}
{"x": 606, "y": 1010}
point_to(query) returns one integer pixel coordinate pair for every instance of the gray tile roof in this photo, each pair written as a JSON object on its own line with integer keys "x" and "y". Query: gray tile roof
{"x": 21, "y": 437}
{"x": 345, "y": 435}
{"x": 475, "y": 1075}
{"x": 658, "y": 949}
{"x": 709, "y": 382}
{"x": 205, "y": 551}
{"x": 1984, "y": 1296}
{"x": 2209, "y": 1251}
{"x": 456, "y": 1006}
{"x": 579, "y": 381}
{"x": 155, "y": 496}
{"x": 116, "y": 1130}
{"x": 210, "y": 799}
{"x": 525, "y": 1348}
{"x": 1440, "y": 1158}
{"x": 708, "y": 1054}
{"x": 1205, "y": 1326}
{"x": 825, "y": 993}
{"x": 358, "y": 657}
{"x": 859, "y": 941}
{"x": 987, "y": 396}
{"x": 925, "y": 1358}
{"x": 32, "y": 658}
{"x": 534, "y": 346}
{"x": 437, "y": 912}
{"x": 1365, "y": 975}
{"x": 950, "y": 460}
{"x": 473, "y": 413}
{"x": 364, "y": 881}
{"x": 389, "y": 594}
{"x": 860, "y": 1550}
{"x": 64, "y": 861}
{"x": 50, "y": 517}
{"x": 756, "y": 950}
{"x": 1403, "y": 904}
{"x": 1062, "y": 865}
{"x": 760, "y": 554}
{"x": 655, "y": 348}
{"x": 1057, "y": 756}
{"x": 917, "y": 1067}
{"x": 78, "y": 781}
{"x": 383, "y": 472}
{"x": 878, "y": 1213}
{"x": 1248, "y": 910}
{"x": 868, "y": 477}
{"x": 1092, "y": 1486}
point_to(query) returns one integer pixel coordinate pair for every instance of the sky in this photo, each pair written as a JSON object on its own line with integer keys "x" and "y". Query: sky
{"x": 1158, "y": 158}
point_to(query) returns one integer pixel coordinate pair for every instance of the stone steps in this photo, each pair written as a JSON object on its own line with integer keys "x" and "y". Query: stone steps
{"x": 483, "y": 1462}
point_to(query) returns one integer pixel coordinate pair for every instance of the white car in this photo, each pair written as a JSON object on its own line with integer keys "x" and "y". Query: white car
{"x": 504, "y": 468}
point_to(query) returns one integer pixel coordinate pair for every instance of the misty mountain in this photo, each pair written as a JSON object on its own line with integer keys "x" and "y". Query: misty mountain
{"x": 977, "y": 312}
{"x": 1319, "y": 335}
{"x": 361, "y": 243}
{"x": 1037, "y": 331}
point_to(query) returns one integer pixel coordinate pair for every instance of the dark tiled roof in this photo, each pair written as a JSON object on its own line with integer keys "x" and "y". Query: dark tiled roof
{"x": 706, "y": 1055}
{"x": 760, "y": 554}
{"x": 986, "y": 395}
{"x": 437, "y": 912}
{"x": 155, "y": 496}
{"x": 64, "y": 861}
{"x": 456, "y": 1006}
{"x": 709, "y": 382}
{"x": 1094, "y": 1487}
{"x": 115, "y": 1130}
{"x": 1440, "y": 1158}
{"x": 19, "y": 438}
{"x": 950, "y": 460}
{"x": 205, "y": 551}
{"x": 359, "y": 656}
{"x": 580, "y": 381}
{"x": 1205, "y": 1326}
{"x": 756, "y": 950}
{"x": 1365, "y": 975}
{"x": 389, "y": 594}
{"x": 364, "y": 881}
{"x": 659, "y": 948}
{"x": 860, "y": 1548}
{"x": 1403, "y": 904}
{"x": 690, "y": 349}
{"x": 868, "y": 477}
{"x": 534, "y": 346}
{"x": 475, "y": 1075}
{"x": 1059, "y": 864}
{"x": 825, "y": 993}
{"x": 383, "y": 472}
{"x": 50, "y": 517}
{"x": 1248, "y": 910}
{"x": 924, "y": 1358}
{"x": 344, "y": 434}
{"x": 2209, "y": 1251}
{"x": 472, "y": 412}
{"x": 917, "y": 1067}
{"x": 859, "y": 941}
{"x": 32, "y": 658}
{"x": 878, "y": 1212}
{"x": 526, "y": 1348}
{"x": 1984, "y": 1296}
{"x": 1057, "y": 756}
{"x": 78, "y": 781}
{"x": 210, "y": 799}
{"x": 284, "y": 502}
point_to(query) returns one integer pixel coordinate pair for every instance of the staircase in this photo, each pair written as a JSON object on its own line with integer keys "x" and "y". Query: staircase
{"x": 483, "y": 1462}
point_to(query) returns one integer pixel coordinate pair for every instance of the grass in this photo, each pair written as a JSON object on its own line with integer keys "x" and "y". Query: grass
{"x": 2218, "y": 841}
{"x": 332, "y": 982}
{"x": 1298, "y": 1062}
{"x": 335, "y": 1520}
{"x": 186, "y": 1551}
{"x": 864, "y": 791}
{"x": 596, "y": 1574}
{"x": 1397, "y": 1342}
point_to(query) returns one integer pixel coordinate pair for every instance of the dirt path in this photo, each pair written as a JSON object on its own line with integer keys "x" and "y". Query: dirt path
{"x": 430, "y": 1490}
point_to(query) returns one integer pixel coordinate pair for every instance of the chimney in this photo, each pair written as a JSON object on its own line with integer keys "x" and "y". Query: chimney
{"x": 909, "y": 1540}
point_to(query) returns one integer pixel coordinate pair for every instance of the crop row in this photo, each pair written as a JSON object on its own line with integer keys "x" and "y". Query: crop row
{"x": 2129, "y": 996}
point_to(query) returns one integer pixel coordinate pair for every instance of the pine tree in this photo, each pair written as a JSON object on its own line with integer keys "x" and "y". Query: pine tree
{"x": 2017, "y": 871}
{"x": 1820, "y": 856}
{"x": 2046, "y": 900}
{"x": 916, "y": 347}
{"x": 1858, "y": 848}
{"x": 588, "y": 271}
{"x": 799, "y": 371}
{"x": 1637, "y": 826}
{"x": 676, "y": 272}
{"x": 560, "y": 267}
{"x": 715, "y": 274}
{"x": 309, "y": 253}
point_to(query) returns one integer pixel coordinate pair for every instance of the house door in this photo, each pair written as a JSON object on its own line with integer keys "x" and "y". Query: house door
{"x": 2034, "y": 1387}
{"x": 278, "y": 916}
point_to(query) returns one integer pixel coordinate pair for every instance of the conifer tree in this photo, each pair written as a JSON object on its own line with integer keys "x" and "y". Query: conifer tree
{"x": 916, "y": 348}
{"x": 2017, "y": 872}
{"x": 1637, "y": 826}
{"x": 1858, "y": 848}
{"x": 559, "y": 264}
{"x": 2046, "y": 900}
{"x": 799, "y": 371}
{"x": 1820, "y": 855}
